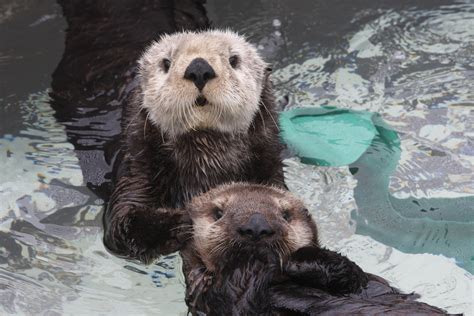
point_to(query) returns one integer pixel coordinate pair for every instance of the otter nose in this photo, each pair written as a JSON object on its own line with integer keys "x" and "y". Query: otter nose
{"x": 200, "y": 72}
{"x": 256, "y": 228}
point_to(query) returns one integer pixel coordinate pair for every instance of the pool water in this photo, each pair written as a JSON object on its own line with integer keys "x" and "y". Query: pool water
{"x": 412, "y": 62}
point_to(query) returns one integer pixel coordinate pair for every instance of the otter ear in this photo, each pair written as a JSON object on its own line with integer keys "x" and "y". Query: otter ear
{"x": 267, "y": 72}
{"x": 267, "y": 83}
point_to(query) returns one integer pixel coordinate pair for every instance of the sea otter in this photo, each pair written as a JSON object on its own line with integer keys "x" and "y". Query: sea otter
{"x": 254, "y": 250}
{"x": 202, "y": 115}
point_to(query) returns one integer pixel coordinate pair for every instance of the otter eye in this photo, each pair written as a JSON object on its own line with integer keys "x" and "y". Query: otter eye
{"x": 218, "y": 213}
{"x": 234, "y": 61}
{"x": 286, "y": 215}
{"x": 166, "y": 64}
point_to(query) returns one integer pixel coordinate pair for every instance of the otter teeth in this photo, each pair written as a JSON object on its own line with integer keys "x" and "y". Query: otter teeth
{"x": 201, "y": 100}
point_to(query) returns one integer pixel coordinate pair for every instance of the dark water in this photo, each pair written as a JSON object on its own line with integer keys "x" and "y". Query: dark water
{"x": 410, "y": 61}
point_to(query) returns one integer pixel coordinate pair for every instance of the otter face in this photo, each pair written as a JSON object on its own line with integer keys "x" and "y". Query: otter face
{"x": 200, "y": 80}
{"x": 243, "y": 220}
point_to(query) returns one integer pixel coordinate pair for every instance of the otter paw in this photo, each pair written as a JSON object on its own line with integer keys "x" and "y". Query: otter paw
{"x": 326, "y": 270}
{"x": 146, "y": 234}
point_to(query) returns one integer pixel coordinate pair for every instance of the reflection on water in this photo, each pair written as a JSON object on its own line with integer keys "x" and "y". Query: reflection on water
{"x": 412, "y": 63}
{"x": 413, "y": 224}
{"x": 51, "y": 247}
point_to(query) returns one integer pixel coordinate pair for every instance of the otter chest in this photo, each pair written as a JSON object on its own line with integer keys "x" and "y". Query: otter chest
{"x": 202, "y": 161}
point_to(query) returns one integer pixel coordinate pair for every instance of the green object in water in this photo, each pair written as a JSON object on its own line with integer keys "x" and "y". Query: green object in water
{"x": 363, "y": 141}
{"x": 327, "y": 136}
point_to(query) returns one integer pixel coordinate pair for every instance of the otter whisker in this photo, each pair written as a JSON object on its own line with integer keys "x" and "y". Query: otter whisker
{"x": 173, "y": 118}
{"x": 133, "y": 119}
{"x": 281, "y": 261}
{"x": 144, "y": 125}
{"x": 192, "y": 117}
{"x": 182, "y": 226}
{"x": 215, "y": 251}
{"x": 162, "y": 136}
{"x": 181, "y": 114}
{"x": 263, "y": 120}
{"x": 278, "y": 249}
{"x": 219, "y": 245}
{"x": 188, "y": 112}
{"x": 186, "y": 238}
{"x": 189, "y": 117}
{"x": 270, "y": 114}
{"x": 219, "y": 111}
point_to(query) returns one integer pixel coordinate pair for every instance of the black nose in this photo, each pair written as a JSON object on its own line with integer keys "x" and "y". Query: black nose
{"x": 256, "y": 228}
{"x": 199, "y": 72}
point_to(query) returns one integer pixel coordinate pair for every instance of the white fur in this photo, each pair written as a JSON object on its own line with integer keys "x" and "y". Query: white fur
{"x": 233, "y": 95}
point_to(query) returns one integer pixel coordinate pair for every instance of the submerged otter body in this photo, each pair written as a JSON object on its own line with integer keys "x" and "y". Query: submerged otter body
{"x": 255, "y": 251}
{"x": 203, "y": 115}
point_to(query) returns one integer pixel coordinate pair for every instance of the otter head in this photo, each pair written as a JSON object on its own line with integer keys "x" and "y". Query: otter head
{"x": 241, "y": 221}
{"x": 209, "y": 79}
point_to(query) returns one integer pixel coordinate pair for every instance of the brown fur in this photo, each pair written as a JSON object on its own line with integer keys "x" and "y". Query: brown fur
{"x": 212, "y": 238}
{"x": 160, "y": 171}
{"x": 283, "y": 271}
{"x": 219, "y": 264}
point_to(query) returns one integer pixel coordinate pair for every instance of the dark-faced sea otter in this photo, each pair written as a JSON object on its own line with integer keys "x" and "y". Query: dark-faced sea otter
{"x": 254, "y": 250}
{"x": 202, "y": 115}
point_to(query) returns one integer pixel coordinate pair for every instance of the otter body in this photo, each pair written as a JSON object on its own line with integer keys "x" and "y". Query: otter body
{"x": 202, "y": 115}
{"x": 255, "y": 251}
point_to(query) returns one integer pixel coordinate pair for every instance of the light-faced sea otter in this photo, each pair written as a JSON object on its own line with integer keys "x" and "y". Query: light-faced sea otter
{"x": 203, "y": 114}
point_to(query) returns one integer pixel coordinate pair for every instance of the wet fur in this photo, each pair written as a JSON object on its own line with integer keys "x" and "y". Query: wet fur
{"x": 235, "y": 279}
{"x": 247, "y": 279}
{"x": 159, "y": 174}
{"x": 321, "y": 282}
{"x": 330, "y": 284}
{"x": 377, "y": 298}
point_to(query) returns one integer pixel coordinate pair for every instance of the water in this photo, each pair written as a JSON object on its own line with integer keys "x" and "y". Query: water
{"x": 410, "y": 61}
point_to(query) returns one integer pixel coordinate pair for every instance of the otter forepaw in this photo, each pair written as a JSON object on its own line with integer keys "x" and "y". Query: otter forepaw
{"x": 145, "y": 234}
{"x": 326, "y": 270}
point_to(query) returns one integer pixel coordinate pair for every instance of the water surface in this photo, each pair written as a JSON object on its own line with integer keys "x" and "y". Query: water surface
{"x": 410, "y": 61}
